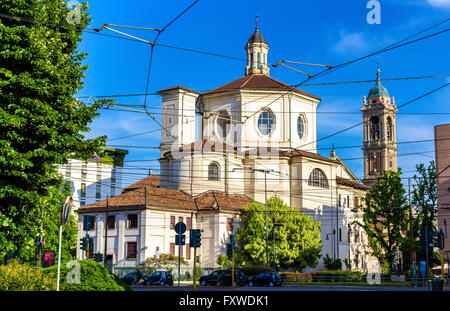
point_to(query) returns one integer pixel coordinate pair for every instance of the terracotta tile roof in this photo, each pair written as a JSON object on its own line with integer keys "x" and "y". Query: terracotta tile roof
{"x": 258, "y": 81}
{"x": 149, "y": 181}
{"x": 178, "y": 87}
{"x": 351, "y": 183}
{"x": 216, "y": 200}
{"x": 135, "y": 198}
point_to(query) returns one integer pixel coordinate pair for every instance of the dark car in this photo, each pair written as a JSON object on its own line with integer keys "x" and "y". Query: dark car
{"x": 214, "y": 278}
{"x": 135, "y": 278}
{"x": 225, "y": 279}
{"x": 222, "y": 278}
{"x": 160, "y": 278}
{"x": 266, "y": 278}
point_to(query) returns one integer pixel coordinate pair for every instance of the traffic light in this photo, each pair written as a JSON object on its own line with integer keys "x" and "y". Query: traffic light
{"x": 98, "y": 257}
{"x": 83, "y": 244}
{"x": 91, "y": 245}
{"x": 229, "y": 250}
{"x": 438, "y": 240}
{"x": 195, "y": 238}
{"x": 197, "y": 259}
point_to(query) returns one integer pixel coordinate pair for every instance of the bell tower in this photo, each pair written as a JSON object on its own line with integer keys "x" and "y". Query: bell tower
{"x": 257, "y": 50}
{"x": 379, "y": 142}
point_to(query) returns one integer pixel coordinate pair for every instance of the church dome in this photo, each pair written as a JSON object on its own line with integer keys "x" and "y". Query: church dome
{"x": 257, "y": 37}
{"x": 378, "y": 89}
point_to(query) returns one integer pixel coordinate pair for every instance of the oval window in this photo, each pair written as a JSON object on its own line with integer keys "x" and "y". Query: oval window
{"x": 266, "y": 122}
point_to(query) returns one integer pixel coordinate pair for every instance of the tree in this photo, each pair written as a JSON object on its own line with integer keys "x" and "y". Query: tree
{"x": 223, "y": 262}
{"x": 41, "y": 123}
{"x": 162, "y": 262}
{"x": 424, "y": 194}
{"x": 385, "y": 216}
{"x": 297, "y": 242}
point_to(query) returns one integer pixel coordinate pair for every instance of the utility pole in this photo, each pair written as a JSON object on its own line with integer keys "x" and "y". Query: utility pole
{"x": 106, "y": 230}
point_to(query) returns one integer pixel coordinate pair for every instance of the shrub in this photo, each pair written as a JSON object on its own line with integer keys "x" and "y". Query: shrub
{"x": 16, "y": 276}
{"x": 338, "y": 276}
{"x": 332, "y": 264}
{"x": 93, "y": 277}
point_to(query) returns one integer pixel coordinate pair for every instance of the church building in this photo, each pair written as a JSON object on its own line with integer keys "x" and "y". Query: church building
{"x": 250, "y": 139}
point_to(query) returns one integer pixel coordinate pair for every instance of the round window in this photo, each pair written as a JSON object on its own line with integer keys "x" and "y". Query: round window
{"x": 300, "y": 127}
{"x": 266, "y": 122}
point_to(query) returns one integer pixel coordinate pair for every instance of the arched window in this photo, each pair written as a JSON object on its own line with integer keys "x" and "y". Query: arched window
{"x": 374, "y": 128}
{"x": 259, "y": 61}
{"x": 389, "y": 129}
{"x": 317, "y": 179}
{"x": 213, "y": 171}
{"x": 300, "y": 126}
{"x": 266, "y": 122}
{"x": 224, "y": 122}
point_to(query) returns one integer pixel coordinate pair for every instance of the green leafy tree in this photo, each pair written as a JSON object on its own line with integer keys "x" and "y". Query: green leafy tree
{"x": 385, "y": 216}
{"x": 223, "y": 262}
{"x": 41, "y": 123}
{"x": 297, "y": 242}
{"x": 162, "y": 262}
{"x": 424, "y": 194}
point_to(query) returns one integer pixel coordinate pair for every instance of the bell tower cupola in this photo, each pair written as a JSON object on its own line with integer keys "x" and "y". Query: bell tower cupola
{"x": 257, "y": 50}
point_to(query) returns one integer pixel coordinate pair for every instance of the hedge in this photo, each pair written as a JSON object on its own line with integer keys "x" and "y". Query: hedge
{"x": 93, "y": 277}
{"x": 16, "y": 276}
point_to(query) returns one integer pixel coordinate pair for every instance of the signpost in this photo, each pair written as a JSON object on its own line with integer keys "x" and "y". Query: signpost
{"x": 65, "y": 212}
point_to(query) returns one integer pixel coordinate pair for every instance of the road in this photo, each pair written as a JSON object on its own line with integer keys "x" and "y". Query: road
{"x": 283, "y": 288}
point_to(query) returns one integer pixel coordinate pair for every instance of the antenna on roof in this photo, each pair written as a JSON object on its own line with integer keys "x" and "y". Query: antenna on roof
{"x": 257, "y": 22}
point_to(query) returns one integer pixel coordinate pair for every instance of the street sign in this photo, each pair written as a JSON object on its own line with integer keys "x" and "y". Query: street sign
{"x": 66, "y": 209}
{"x": 180, "y": 228}
{"x": 180, "y": 239}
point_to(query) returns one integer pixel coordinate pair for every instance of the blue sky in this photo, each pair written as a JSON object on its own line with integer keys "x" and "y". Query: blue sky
{"x": 325, "y": 32}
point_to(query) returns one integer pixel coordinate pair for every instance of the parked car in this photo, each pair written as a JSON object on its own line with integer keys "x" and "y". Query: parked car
{"x": 135, "y": 278}
{"x": 214, "y": 278}
{"x": 266, "y": 278}
{"x": 223, "y": 278}
{"x": 161, "y": 278}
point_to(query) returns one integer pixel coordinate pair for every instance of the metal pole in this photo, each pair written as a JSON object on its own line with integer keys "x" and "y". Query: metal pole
{"x": 273, "y": 231}
{"x": 195, "y": 270}
{"x": 426, "y": 250}
{"x": 59, "y": 246}
{"x": 106, "y": 230}
{"x": 267, "y": 238}
{"x": 179, "y": 261}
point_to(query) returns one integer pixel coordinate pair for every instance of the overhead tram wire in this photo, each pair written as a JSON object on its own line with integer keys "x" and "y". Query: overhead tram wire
{"x": 361, "y": 123}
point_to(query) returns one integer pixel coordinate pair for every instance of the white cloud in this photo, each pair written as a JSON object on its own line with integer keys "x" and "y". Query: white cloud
{"x": 353, "y": 43}
{"x": 439, "y": 3}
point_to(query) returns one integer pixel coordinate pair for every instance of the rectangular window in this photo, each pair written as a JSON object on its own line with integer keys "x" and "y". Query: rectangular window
{"x": 82, "y": 203}
{"x": 348, "y": 201}
{"x": 91, "y": 222}
{"x": 98, "y": 191}
{"x": 132, "y": 221}
{"x": 83, "y": 190}
{"x": 230, "y": 224}
{"x": 188, "y": 251}
{"x": 86, "y": 223}
{"x": 188, "y": 223}
{"x": 83, "y": 171}
{"x": 172, "y": 249}
{"x": 340, "y": 235}
{"x": 111, "y": 222}
{"x": 339, "y": 203}
{"x": 172, "y": 222}
{"x": 131, "y": 250}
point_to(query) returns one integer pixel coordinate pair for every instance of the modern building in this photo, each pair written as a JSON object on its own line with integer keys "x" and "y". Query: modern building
{"x": 442, "y": 147}
{"x": 96, "y": 178}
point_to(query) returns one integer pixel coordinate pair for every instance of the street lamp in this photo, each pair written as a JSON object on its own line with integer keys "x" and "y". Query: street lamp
{"x": 273, "y": 233}
{"x": 265, "y": 171}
